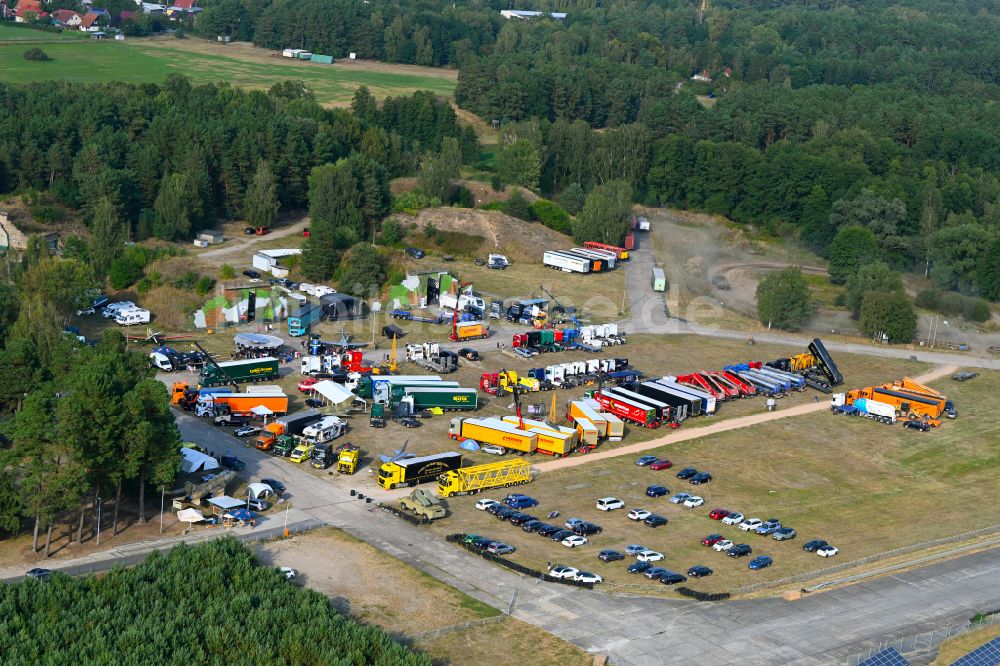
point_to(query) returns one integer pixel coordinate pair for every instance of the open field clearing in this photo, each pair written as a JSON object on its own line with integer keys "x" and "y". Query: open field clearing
{"x": 150, "y": 61}
{"x": 375, "y": 588}
{"x": 15, "y": 33}
{"x": 959, "y": 646}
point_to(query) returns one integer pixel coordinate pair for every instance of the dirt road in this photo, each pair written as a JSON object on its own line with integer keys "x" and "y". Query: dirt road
{"x": 237, "y": 244}
{"x": 686, "y": 434}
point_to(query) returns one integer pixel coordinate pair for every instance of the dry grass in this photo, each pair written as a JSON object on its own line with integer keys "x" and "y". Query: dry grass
{"x": 509, "y": 643}
{"x": 959, "y": 646}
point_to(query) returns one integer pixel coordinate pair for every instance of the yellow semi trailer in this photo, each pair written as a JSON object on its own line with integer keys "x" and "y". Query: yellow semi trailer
{"x": 469, "y": 480}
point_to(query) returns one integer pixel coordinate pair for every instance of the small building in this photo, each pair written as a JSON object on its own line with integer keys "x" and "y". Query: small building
{"x": 99, "y": 35}
{"x": 28, "y": 11}
{"x": 89, "y": 22}
{"x": 211, "y": 236}
{"x": 704, "y": 77}
{"x": 68, "y": 17}
{"x": 339, "y": 307}
{"x": 529, "y": 15}
{"x": 119, "y": 37}
{"x": 152, "y": 8}
{"x": 224, "y": 504}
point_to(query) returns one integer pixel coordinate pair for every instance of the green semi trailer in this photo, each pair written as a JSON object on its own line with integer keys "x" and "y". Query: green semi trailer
{"x": 447, "y": 398}
{"x": 250, "y": 370}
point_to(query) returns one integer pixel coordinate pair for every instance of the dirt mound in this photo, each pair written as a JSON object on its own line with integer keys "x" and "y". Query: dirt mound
{"x": 519, "y": 240}
{"x": 482, "y": 192}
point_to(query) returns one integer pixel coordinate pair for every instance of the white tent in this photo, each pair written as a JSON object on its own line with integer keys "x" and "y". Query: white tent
{"x": 196, "y": 461}
{"x": 259, "y": 490}
{"x": 335, "y": 393}
{"x": 190, "y": 515}
{"x": 261, "y": 410}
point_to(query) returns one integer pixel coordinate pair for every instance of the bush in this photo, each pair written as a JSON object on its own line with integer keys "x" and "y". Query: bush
{"x": 497, "y": 184}
{"x": 124, "y": 271}
{"x": 929, "y": 299}
{"x": 46, "y": 213}
{"x": 392, "y": 232}
{"x": 144, "y": 285}
{"x": 551, "y": 215}
{"x": 517, "y": 206}
{"x": 227, "y": 272}
{"x": 461, "y": 197}
{"x": 187, "y": 281}
{"x": 951, "y": 304}
{"x": 413, "y": 201}
{"x": 976, "y": 309}
{"x": 36, "y": 54}
{"x": 204, "y": 285}
{"x": 430, "y": 230}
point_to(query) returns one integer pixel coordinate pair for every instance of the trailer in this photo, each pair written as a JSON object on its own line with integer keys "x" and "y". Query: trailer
{"x": 609, "y": 258}
{"x": 383, "y": 391}
{"x": 553, "y": 440}
{"x": 411, "y": 471}
{"x": 619, "y": 252}
{"x": 663, "y": 410}
{"x": 682, "y": 406}
{"x": 794, "y": 380}
{"x": 630, "y": 241}
{"x": 765, "y": 385}
{"x": 241, "y": 404}
{"x": 589, "y": 434}
{"x": 493, "y": 431}
{"x": 873, "y": 409}
{"x": 628, "y": 410}
{"x": 469, "y": 480}
{"x": 468, "y": 330}
{"x": 446, "y": 398}
{"x": 825, "y": 363}
{"x": 616, "y": 427}
{"x": 249, "y": 370}
{"x": 582, "y": 409}
{"x": 708, "y": 401}
{"x": 367, "y": 386}
{"x": 406, "y": 315}
{"x": 287, "y": 425}
{"x": 303, "y": 318}
{"x": 340, "y": 307}
{"x": 659, "y": 280}
{"x": 907, "y": 404}
{"x": 325, "y": 430}
{"x": 598, "y": 262}
{"x": 566, "y": 262}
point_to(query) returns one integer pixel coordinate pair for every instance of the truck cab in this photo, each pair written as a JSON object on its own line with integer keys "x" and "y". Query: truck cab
{"x": 301, "y": 452}
{"x": 322, "y": 456}
{"x": 284, "y": 446}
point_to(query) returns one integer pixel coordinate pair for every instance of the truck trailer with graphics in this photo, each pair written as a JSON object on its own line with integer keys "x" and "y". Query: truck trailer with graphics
{"x": 429, "y": 397}
{"x": 241, "y": 404}
{"x": 287, "y": 425}
{"x": 411, "y": 471}
{"x": 249, "y": 370}
{"x": 493, "y": 431}
{"x": 553, "y": 440}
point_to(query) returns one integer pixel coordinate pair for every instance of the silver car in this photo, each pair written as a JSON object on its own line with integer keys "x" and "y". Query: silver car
{"x": 783, "y": 534}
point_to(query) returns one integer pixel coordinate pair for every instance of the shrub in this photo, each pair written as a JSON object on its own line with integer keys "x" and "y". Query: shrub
{"x": 461, "y": 197}
{"x": 227, "y": 272}
{"x": 124, "y": 271}
{"x": 551, "y": 215}
{"x": 46, "y": 213}
{"x": 392, "y": 232}
{"x": 497, "y": 184}
{"x": 413, "y": 201}
{"x": 204, "y": 285}
{"x": 976, "y": 309}
{"x": 36, "y": 54}
{"x": 517, "y": 206}
{"x": 929, "y": 299}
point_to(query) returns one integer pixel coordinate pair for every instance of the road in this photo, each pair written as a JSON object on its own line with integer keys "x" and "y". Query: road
{"x": 242, "y": 244}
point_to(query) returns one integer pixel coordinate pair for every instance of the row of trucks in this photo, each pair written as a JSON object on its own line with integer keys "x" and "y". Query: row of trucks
{"x": 167, "y": 359}
{"x": 559, "y": 375}
{"x": 581, "y": 260}
{"x": 419, "y": 391}
{"x": 431, "y": 356}
{"x": 512, "y": 434}
{"x": 602, "y": 335}
{"x": 452, "y": 478}
{"x": 348, "y": 361}
{"x": 906, "y": 398}
{"x": 878, "y": 411}
{"x": 224, "y": 401}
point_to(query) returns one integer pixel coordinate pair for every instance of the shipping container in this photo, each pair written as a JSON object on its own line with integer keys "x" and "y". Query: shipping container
{"x": 659, "y": 280}
{"x": 567, "y": 262}
{"x": 448, "y": 399}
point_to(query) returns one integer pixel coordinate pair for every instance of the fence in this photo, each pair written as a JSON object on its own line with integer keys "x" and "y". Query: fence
{"x": 928, "y": 640}
{"x": 520, "y": 568}
{"x": 816, "y": 573}
{"x": 452, "y": 628}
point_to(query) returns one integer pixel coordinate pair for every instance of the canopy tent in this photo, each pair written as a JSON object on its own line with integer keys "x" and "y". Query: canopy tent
{"x": 333, "y": 392}
{"x": 257, "y": 341}
{"x": 470, "y": 445}
{"x": 196, "y": 461}
{"x": 190, "y": 515}
{"x": 259, "y": 490}
{"x": 261, "y": 410}
{"x": 239, "y": 514}
{"x": 225, "y": 503}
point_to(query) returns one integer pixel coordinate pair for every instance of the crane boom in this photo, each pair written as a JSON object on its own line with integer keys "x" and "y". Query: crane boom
{"x": 568, "y": 311}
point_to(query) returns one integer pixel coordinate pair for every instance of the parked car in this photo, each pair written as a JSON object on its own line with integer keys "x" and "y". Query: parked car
{"x": 587, "y": 577}
{"x": 642, "y": 461}
{"x": 634, "y": 549}
{"x": 252, "y": 274}
{"x": 233, "y": 463}
{"x": 653, "y": 573}
{"x": 472, "y": 538}
{"x": 288, "y": 572}
{"x": 914, "y": 424}
{"x": 416, "y": 253}
{"x": 722, "y": 546}
{"x": 38, "y": 573}
{"x": 610, "y": 556}
{"x": 768, "y": 526}
{"x": 482, "y": 543}
{"x": 561, "y": 571}
{"x": 827, "y": 551}
{"x": 258, "y": 505}
{"x": 739, "y": 550}
{"x": 609, "y": 503}
{"x": 561, "y": 534}
{"x": 718, "y": 514}
{"x": 493, "y": 449}
{"x": 500, "y": 548}
{"x": 246, "y": 431}
{"x": 814, "y": 545}
{"x": 408, "y": 422}
{"x": 505, "y": 513}
{"x": 638, "y": 514}
{"x": 249, "y": 231}
{"x": 783, "y": 534}
{"x": 306, "y": 233}
{"x": 712, "y": 539}
{"x": 520, "y": 518}
{"x": 735, "y": 518}
{"x": 687, "y": 473}
{"x": 694, "y": 501}
{"x": 672, "y": 578}
{"x": 485, "y": 503}
{"x": 699, "y": 572}
{"x": 277, "y": 486}
{"x": 523, "y": 502}
{"x": 574, "y": 540}
{"x": 639, "y": 567}
{"x": 655, "y": 520}
{"x": 649, "y": 556}
{"x": 661, "y": 464}
{"x": 531, "y": 525}
{"x": 547, "y": 530}
{"x": 657, "y": 491}
{"x": 468, "y": 353}
{"x": 494, "y": 509}
{"x": 573, "y": 522}
{"x": 760, "y": 562}
{"x": 586, "y": 529}
{"x": 750, "y": 524}
{"x": 700, "y": 478}
{"x": 679, "y": 498}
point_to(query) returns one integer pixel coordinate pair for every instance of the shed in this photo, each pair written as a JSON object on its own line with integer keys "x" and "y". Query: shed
{"x": 213, "y": 236}
{"x": 333, "y": 392}
{"x": 322, "y": 59}
{"x": 196, "y": 461}
{"x": 224, "y": 503}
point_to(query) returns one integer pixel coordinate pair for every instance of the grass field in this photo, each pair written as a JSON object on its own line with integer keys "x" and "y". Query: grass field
{"x": 954, "y": 648}
{"x": 142, "y": 61}
{"x": 865, "y": 487}
{"x": 14, "y": 33}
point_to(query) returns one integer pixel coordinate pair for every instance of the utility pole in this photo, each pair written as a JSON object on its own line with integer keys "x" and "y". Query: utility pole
{"x": 162, "y": 494}
{"x": 99, "y": 511}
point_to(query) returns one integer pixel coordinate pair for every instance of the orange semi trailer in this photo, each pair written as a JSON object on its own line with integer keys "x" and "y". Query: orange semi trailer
{"x": 906, "y": 403}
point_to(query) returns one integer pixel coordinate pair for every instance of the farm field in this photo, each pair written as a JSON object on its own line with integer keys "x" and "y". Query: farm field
{"x": 150, "y": 61}
{"x": 863, "y": 486}
{"x": 12, "y": 32}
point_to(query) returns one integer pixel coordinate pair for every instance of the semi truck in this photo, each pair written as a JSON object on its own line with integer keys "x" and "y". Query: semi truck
{"x": 249, "y": 370}
{"x": 323, "y": 456}
{"x": 708, "y": 402}
{"x": 825, "y": 363}
{"x": 367, "y": 386}
{"x": 663, "y": 411}
{"x": 241, "y": 404}
{"x": 878, "y": 411}
{"x": 348, "y": 457}
{"x": 411, "y": 471}
{"x": 185, "y": 396}
{"x": 384, "y": 391}
{"x": 462, "y": 302}
{"x": 288, "y": 425}
{"x": 469, "y": 330}
{"x": 430, "y": 397}
{"x": 907, "y": 404}
{"x": 493, "y": 431}
{"x": 628, "y": 410}
{"x": 684, "y": 405}
{"x": 303, "y": 318}
{"x": 469, "y": 480}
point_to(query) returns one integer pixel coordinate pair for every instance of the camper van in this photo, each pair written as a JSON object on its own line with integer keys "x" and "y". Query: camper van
{"x": 132, "y": 316}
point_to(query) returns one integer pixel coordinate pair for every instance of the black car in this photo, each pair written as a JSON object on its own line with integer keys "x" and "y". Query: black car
{"x": 739, "y": 550}
{"x": 914, "y": 424}
{"x": 471, "y": 354}
{"x": 657, "y": 491}
{"x": 232, "y": 462}
{"x": 700, "y": 478}
{"x": 655, "y": 520}
{"x": 560, "y": 535}
{"x": 277, "y": 486}
{"x": 250, "y": 231}
{"x": 481, "y": 543}
{"x": 414, "y": 252}
{"x": 408, "y": 422}
{"x": 699, "y": 572}
{"x": 252, "y": 274}
{"x": 493, "y": 509}
{"x": 687, "y": 473}
{"x": 315, "y": 403}
{"x": 38, "y": 573}
{"x": 586, "y": 529}
{"x": 531, "y": 525}
{"x": 520, "y": 518}
{"x": 639, "y": 567}
{"x": 610, "y": 556}
{"x": 548, "y": 530}
{"x": 672, "y": 578}
{"x": 504, "y": 513}
{"x": 814, "y": 545}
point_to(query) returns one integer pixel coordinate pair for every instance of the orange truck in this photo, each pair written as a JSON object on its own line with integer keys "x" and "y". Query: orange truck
{"x": 909, "y": 405}
{"x": 242, "y": 404}
{"x": 288, "y": 425}
{"x": 493, "y": 431}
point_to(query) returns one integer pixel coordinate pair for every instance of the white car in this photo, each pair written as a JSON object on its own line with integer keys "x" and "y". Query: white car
{"x": 561, "y": 571}
{"x": 485, "y": 503}
{"x": 305, "y": 287}
{"x": 587, "y": 577}
{"x": 693, "y": 501}
{"x": 733, "y": 519}
{"x": 679, "y": 498}
{"x": 493, "y": 449}
{"x": 750, "y": 524}
{"x": 609, "y": 503}
{"x": 288, "y": 573}
{"x": 827, "y": 551}
{"x": 84, "y": 312}
{"x": 639, "y": 514}
{"x": 720, "y": 546}
{"x": 574, "y": 541}
{"x": 321, "y": 290}
{"x": 649, "y": 556}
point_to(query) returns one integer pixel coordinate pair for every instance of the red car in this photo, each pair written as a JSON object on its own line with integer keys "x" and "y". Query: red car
{"x": 712, "y": 539}
{"x": 305, "y": 232}
{"x": 307, "y": 383}
{"x": 661, "y": 464}
{"x": 719, "y": 514}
